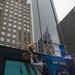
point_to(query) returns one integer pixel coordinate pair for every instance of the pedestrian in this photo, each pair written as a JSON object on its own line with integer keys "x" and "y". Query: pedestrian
{"x": 41, "y": 66}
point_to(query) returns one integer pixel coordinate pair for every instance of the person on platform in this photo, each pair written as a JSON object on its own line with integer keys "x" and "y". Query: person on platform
{"x": 41, "y": 66}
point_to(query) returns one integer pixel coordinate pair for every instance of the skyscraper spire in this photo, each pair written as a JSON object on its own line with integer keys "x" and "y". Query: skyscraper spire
{"x": 47, "y": 29}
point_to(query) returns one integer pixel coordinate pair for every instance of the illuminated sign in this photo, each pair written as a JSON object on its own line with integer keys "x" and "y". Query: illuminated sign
{"x": 60, "y": 63}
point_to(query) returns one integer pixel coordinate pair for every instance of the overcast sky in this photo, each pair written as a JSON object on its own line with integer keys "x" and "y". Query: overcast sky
{"x": 63, "y": 7}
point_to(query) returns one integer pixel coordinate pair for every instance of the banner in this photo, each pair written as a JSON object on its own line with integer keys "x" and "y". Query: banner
{"x": 57, "y": 66}
{"x": 59, "y": 50}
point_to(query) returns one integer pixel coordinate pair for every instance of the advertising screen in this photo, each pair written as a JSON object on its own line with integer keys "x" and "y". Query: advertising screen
{"x": 17, "y": 62}
{"x": 56, "y": 66}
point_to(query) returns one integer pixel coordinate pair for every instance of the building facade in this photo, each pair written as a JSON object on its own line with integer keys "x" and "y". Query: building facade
{"x": 66, "y": 30}
{"x": 44, "y": 15}
{"x": 15, "y": 23}
{"x": 46, "y": 46}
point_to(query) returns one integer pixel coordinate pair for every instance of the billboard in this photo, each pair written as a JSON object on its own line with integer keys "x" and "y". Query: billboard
{"x": 59, "y": 50}
{"x": 57, "y": 66}
{"x": 17, "y": 62}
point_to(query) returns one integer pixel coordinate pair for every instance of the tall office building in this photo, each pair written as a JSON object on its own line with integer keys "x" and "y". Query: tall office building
{"x": 44, "y": 15}
{"x": 15, "y": 23}
{"x": 46, "y": 46}
{"x": 67, "y": 32}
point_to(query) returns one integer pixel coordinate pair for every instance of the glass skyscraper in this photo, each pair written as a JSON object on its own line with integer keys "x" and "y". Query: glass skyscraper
{"x": 44, "y": 16}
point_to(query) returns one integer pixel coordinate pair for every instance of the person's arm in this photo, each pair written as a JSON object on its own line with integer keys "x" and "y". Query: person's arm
{"x": 36, "y": 64}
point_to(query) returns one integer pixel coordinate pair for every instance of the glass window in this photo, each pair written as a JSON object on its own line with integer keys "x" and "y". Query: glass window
{"x": 15, "y": 17}
{"x": 6, "y": 10}
{"x": 15, "y": 9}
{"x": 24, "y": 20}
{"x": 5, "y": 18}
{"x": 19, "y": 37}
{"x": 14, "y": 31}
{"x": 24, "y": 33}
{"x": 7, "y": 45}
{"x": 7, "y": 2}
{"x": 2, "y": 39}
{"x": 28, "y": 26}
{"x": 27, "y": 8}
{"x": 19, "y": 15}
{"x": 19, "y": 11}
{"x": 1, "y": 0}
{"x": 24, "y": 24}
{"x": 19, "y": 23}
{"x": 9, "y": 24}
{"x": 24, "y": 13}
{"x": 5, "y": 14}
{"x": 24, "y": 9}
{"x": 10, "y": 20}
{"x": 19, "y": 19}
{"x": 14, "y": 36}
{"x": 27, "y": 14}
{"x": 11, "y": 12}
{"x": 12, "y": 5}
{"x": 20, "y": 5}
{"x": 27, "y": 21}
{"x": 27, "y": 11}
{"x": 10, "y": 16}
{"x": 15, "y": 21}
{"x": 13, "y": 46}
{"x": 25, "y": 29}
{"x": 28, "y": 34}
{"x": 0, "y": 8}
{"x": 8, "y": 34}
{"x": 28, "y": 30}
{"x": 16, "y": 3}
{"x": 9, "y": 29}
{"x": 28, "y": 18}
{"x": 19, "y": 31}
{"x": 8, "y": 40}
{"x": 4, "y": 23}
{"x": 16, "y": 6}
{"x": 1, "y": 44}
{"x": 3, "y": 28}
{"x": 14, "y": 26}
{"x": 19, "y": 42}
{"x": 3, "y": 33}
{"x": 15, "y": 13}
{"x": 1, "y": 4}
{"x": 24, "y": 16}
{"x": 19, "y": 27}
{"x": 12, "y": 1}
{"x": 7, "y": 6}
{"x": 11, "y": 8}
{"x": 25, "y": 39}
{"x": 13, "y": 41}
